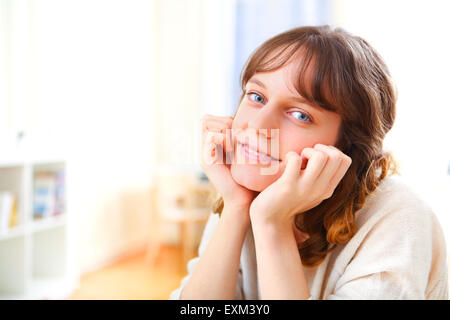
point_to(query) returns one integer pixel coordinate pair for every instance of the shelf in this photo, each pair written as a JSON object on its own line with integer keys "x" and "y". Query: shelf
{"x": 11, "y": 296}
{"x": 51, "y": 287}
{"x": 13, "y": 269}
{"x": 48, "y": 223}
{"x": 53, "y": 165}
{"x": 13, "y": 232}
{"x": 36, "y": 226}
{"x": 44, "y": 288}
{"x": 11, "y": 163}
{"x": 34, "y": 255}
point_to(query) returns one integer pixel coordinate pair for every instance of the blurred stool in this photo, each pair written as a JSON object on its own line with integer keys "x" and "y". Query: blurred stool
{"x": 180, "y": 198}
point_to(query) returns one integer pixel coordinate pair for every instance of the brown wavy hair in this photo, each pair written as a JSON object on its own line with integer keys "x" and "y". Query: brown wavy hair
{"x": 342, "y": 73}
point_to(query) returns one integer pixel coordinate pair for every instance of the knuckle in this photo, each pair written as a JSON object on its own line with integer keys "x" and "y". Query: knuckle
{"x": 318, "y": 146}
{"x": 335, "y": 148}
{"x": 347, "y": 160}
{"x": 292, "y": 154}
{"x": 335, "y": 155}
{"x": 329, "y": 194}
{"x": 321, "y": 156}
{"x": 307, "y": 150}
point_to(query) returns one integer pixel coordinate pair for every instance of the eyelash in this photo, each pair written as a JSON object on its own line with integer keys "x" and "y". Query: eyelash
{"x": 251, "y": 93}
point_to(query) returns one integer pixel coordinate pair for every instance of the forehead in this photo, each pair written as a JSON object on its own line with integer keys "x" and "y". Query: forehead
{"x": 286, "y": 67}
{"x": 291, "y": 57}
{"x": 283, "y": 78}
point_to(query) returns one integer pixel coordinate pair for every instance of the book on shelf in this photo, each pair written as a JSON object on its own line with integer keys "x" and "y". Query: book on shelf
{"x": 49, "y": 194}
{"x": 8, "y": 211}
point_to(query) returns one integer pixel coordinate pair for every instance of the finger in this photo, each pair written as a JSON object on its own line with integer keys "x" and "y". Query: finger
{"x": 346, "y": 157}
{"x": 221, "y": 124}
{"x": 229, "y": 143}
{"x": 210, "y": 143}
{"x": 226, "y": 120}
{"x": 221, "y": 127}
{"x": 214, "y": 125}
{"x": 208, "y": 154}
{"x": 341, "y": 171}
{"x": 208, "y": 116}
{"x": 316, "y": 162}
{"x": 293, "y": 165}
{"x": 226, "y": 142}
{"x": 215, "y": 137}
{"x": 212, "y": 152}
{"x": 210, "y": 123}
{"x": 333, "y": 163}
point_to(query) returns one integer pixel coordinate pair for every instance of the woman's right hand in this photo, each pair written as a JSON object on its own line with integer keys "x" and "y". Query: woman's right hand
{"x": 217, "y": 140}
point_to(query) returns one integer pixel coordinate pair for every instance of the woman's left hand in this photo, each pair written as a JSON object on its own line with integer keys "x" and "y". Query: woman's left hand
{"x": 298, "y": 190}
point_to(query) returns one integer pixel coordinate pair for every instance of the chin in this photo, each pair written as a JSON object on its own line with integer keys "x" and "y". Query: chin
{"x": 250, "y": 177}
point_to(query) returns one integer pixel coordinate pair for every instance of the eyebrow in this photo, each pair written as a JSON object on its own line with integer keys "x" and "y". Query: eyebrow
{"x": 293, "y": 98}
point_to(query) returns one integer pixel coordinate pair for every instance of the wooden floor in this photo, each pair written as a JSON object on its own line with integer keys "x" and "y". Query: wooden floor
{"x": 134, "y": 279}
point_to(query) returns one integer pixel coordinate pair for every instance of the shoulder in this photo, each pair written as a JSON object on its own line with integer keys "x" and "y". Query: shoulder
{"x": 396, "y": 229}
{"x": 396, "y": 217}
{"x": 398, "y": 202}
{"x": 398, "y": 247}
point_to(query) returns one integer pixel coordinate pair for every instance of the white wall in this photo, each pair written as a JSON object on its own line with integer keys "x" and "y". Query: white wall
{"x": 80, "y": 82}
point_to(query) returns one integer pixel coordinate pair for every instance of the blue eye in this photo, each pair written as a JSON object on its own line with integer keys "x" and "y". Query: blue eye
{"x": 303, "y": 116}
{"x": 257, "y": 98}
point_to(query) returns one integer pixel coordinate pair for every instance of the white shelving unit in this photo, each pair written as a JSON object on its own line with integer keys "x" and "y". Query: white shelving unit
{"x": 35, "y": 255}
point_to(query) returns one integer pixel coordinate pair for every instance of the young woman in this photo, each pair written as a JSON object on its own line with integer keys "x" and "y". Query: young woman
{"x": 310, "y": 206}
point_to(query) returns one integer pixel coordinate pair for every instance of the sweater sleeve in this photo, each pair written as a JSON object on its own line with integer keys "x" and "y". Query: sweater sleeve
{"x": 402, "y": 256}
{"x": 208, "y": 231}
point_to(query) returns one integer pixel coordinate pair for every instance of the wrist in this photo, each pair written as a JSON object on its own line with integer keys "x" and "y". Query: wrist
{"x": 233, "y": 206}
{"x": 237, "y": 205}
{"x": 272, "y": 227}
{"x": 275, "y": 221}
{"x": 239, "y": 214}
{"x": 272, "y": 235}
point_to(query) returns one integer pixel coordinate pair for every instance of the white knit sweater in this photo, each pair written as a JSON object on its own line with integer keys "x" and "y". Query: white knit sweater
{"x": 398, "y": 252}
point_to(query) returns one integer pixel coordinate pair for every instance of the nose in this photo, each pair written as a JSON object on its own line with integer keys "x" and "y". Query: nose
{"x": 265, "y": 120}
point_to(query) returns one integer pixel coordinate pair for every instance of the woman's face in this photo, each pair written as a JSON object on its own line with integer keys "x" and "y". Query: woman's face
{"x": 290, "y": 122}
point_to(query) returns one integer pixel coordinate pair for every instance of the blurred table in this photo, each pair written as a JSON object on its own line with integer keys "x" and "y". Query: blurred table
{"x": 183, "y": 199}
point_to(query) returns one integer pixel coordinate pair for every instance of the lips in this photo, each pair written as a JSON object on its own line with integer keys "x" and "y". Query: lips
{"x": 252, "y": 151}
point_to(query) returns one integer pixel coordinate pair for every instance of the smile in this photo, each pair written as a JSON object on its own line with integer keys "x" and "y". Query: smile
{"x": 254, "y": 155}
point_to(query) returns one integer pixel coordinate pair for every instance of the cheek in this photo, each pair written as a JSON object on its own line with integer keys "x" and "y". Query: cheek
{"x": 242, "y": 115}
{"x": 240, "y": 121}
{"x": 296, "y": 140}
